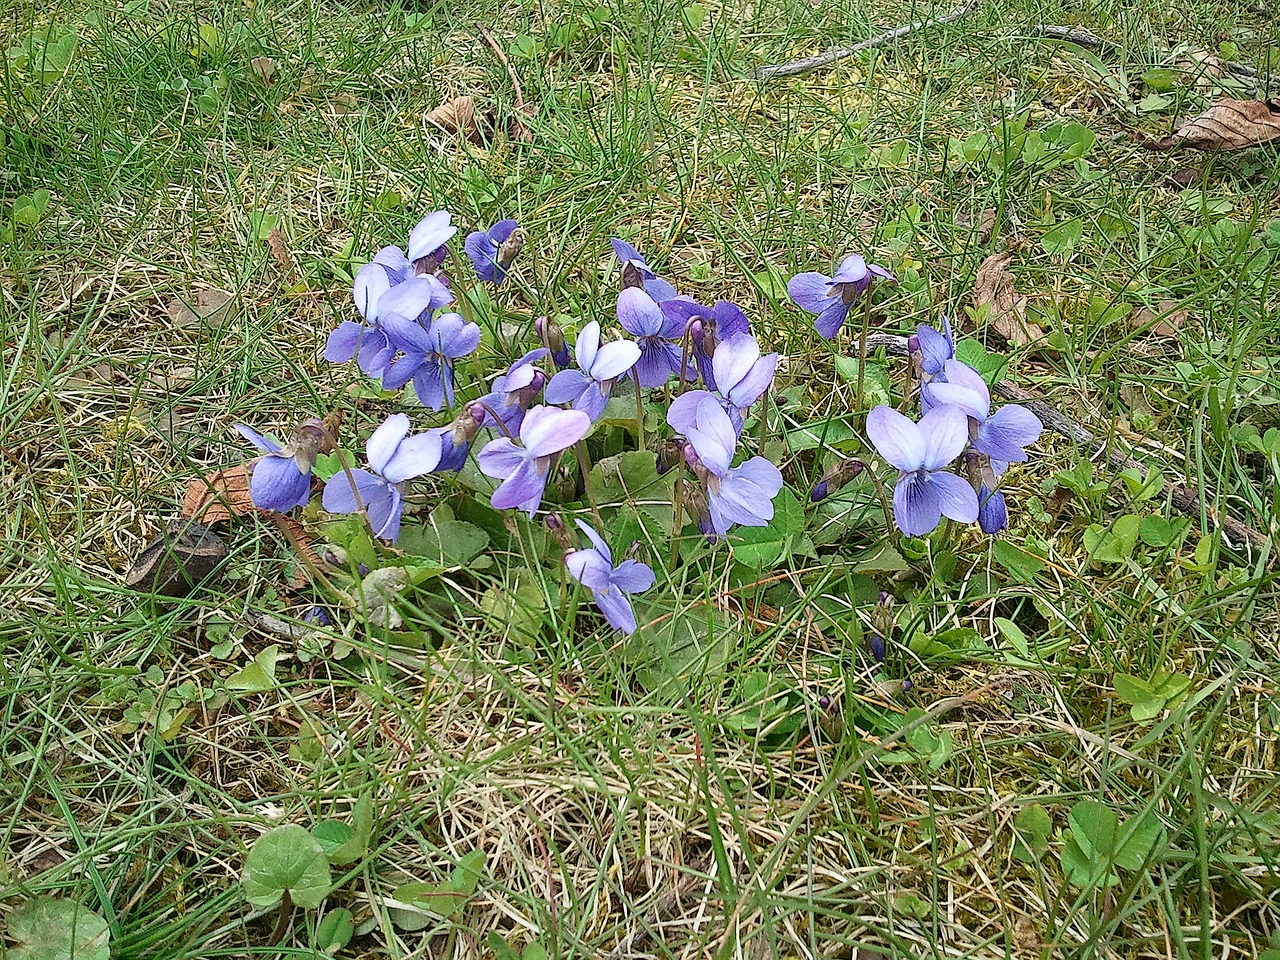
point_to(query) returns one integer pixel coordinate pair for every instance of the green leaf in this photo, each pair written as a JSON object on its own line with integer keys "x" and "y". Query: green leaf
{"x": 761, "y": 548}
{"x": 1113, "y": 545}
{"x": 332, "y": 834}
{"x": 357, "y": 844}
{"x": 1132, "y": 689}
{"x": 446, "y": 899}
{"x": 1137, "y": 841}
{"x": 1033, "y": 827}
{"x": 335, "y": 931}
{"x": 770, "y": 283}
{"x": 1094, "y": 827}
{"x": 1160, "y": 78}
{"x": 1062, "y": 238}
{"x": 820, "y": 433}
{"x": 671, "y": 646}
{"x": 258, "y": 675}
{"x": 992, "y": 366}
{"x": 1084, "y": 871}
{"x": 1019, "y": 564}
{"x": 444, "y": 543}
{"x": 49, "y": 928}
{"x": 1156, "y": 531}
{"x": 286, "y": 858}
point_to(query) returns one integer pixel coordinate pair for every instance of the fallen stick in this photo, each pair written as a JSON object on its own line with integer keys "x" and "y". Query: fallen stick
{"x": 809, "y": 64}
{"x": 1185, "y": 498}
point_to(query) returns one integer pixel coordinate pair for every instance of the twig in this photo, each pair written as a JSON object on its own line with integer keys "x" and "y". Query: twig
{"x": 1077, "y": 35}
{"x": 1186, "y": 498}
{"x": 809, "y": 64}
{"x": 520, "y": 131}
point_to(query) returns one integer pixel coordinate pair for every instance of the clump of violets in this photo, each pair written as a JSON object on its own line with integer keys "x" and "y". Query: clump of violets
{"x": 610, "y": 586}
{"x": 831, "y": 298}
{"x": 493, "y": 251}
{"x": 523, "y": 467}
{"x": 394, "y": 458}
{"x": 281, "y": 479}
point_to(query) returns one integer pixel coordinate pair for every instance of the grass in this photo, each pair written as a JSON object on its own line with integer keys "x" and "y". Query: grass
{"x": 687, "y": 793}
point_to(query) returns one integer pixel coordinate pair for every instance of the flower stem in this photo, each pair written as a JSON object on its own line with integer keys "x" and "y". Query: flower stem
{"x": 580, "y": 448}
{"x": 676, "y": 504}
{"x": 862, "y": 347}
{"x": 884, "y": 500}
{"x": 639, "y": 415}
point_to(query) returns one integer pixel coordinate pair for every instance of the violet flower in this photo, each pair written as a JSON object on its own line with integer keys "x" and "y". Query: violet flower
{"x": 493, "y": 251}
{"x": 1002, "y": 435}
{"x": 707, "y": 326}
{"x": 427, "y": 250}
{"x": 936, "y": 348}
{"x": 831, "y": 297}
{"x": 636, "y": 272}
{"x": 427, "y": 356}
{"x": 742, "y": 373}
{"x": 513, "y": 391}
{"x": 588, "y": 390}
{"x": 523, "y": 468}
{"x": 281, "y": 479}
{"x": 416, "y": 298}
{"x": 742, "y": 494}
{"x": 993, "y": 512}
{"x": 394, "y": 458}
{"x": 609, "y": 585}
{"x": 925, "y": 492}
{"x": 655, "y": 332}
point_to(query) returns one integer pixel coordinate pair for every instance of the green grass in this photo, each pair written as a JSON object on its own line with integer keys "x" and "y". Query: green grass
{"x": 684, "y": 793}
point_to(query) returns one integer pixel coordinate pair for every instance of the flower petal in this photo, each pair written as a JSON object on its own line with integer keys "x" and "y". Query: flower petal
{"x": 415, "y": 298}
{"x": 832, "y": 318}
{"x": 682, "y": 415}
{"x": 653, "y": 369}
{"x": 429, "y": 385}
{"x": 915, "y": 505}
{"x": 454, "y": 336}
{"x": 548, "y": 430}
{"x": 381, "y": 446}
{"x": 338, "y": 496}
{"x": 632, "y": 576}
{"x": 503, "y": 229}
{"x": 523, "y": 489}
{"x": 500, "y": 458}
{"x": 730, "y": 319}
{"x": 257, "y": 439}
{"x": 852, "y": 269}
{"x": 732, "y": 360}
{"x": 432, "y": 232}
{"x": 416, "y": 455}
{"x": 566, "y": 387}
{"x": 746, "y": 493}
{"x": 896, "y": 438}
{"x": 1007, "y": 432}
{"x": 956, "y": 498}
{"x": 370, "y": 285}
{"x": 810, "y": 291}
{"x": 343, "y": 341}
{"x": 588, "y": 342}
{"x": 614, "y": 359}
{"x": 638, "y": 313}
{"x": 616, "y": 609}
{"x": 627, "y": 253}
{"x": 277, "y": 484}
{"x": 714, "y": 439}
{"x": 596, "y": 541}
{"x": 483, "y": 251}
{"x": 946, "y": 432}
{"x": 660, "y": 290}
{"x": 590, "y": 568}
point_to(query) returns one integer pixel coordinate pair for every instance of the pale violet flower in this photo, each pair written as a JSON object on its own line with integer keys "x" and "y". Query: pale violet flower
{"x": 588, "y": 388}
{"x": 609, "y": 585}
{"x": 831, "y": 297}
{"x": 281, "y": 479}
{"x": 523, "y": 467}
{"x": 1003, "y": 435}
{"x": 925, "y": 491}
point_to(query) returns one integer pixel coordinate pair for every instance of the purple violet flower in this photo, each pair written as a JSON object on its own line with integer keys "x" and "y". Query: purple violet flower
{"x": 388, "y": 268}
{"x": 523, "y": 469}
{"x": 742, "y": 494}
{"x": 281, "y": 479}
{"x": 744, "y": 376}
{"x": 427, "y": 240}
{"x": 636, "y": 272}
{"x": 655, "y": 332}
{"x": 394, "y": 458}
{"x": 1001, "y": 435}
{"x": 936, "y": 348}
{"x": 831, "y": 297}
{"x": 514, "y": 391}
{"x": 416, "y": 298}
{"x": 492, "y": 252}
{"x": 925, "y": 492}
{"x": 588, "y": 390}
{"x": 427, "y": 356}
{"x": 993, "y": 512}
{"x": 609, "y": 585}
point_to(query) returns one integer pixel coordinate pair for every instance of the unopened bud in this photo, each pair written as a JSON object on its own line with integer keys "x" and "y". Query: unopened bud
{"x": 882, "y": 617}
{"x": 876, "y": 645}
{"x": 467, "y": 424}
{"x": 670, "y": 453}
{"x": 561, "y": 533}
{"x": 695, "y": 504}
{"x": 836, "y": 477}
{"x": 552, "y": 338}
{"x": 509, "y": 249}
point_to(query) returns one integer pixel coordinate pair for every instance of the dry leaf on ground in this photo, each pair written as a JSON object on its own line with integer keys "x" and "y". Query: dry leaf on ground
{"x": 1161, "y": 326}
{"x": 984, "y": 224}
{"x": 208, "y": 305}
{"x": 459, "y": 116}
{"x": 219, "y": 496}
{"x": 993, "y": 287}
{"x": 1226, "y": 125}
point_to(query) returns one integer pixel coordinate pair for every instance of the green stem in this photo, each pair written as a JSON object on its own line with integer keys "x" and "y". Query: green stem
{"x": 639, "y": 415}
{"x": 676, "y": 504}
{"x": 580, "y": 449}
{"x": 862, "y": 347}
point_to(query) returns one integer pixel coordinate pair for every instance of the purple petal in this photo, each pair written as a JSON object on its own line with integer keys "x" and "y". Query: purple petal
{"x": 370, "y": 285}
{"x": 632, "y": 576}
{"x": 810, "y": 291}
{"x": 338, "y": 496}
{"x": 548, "y": 430}
{"x": 396, "y": 264}
{"x": 993, "y": 512}
{"x": 614, "y": 359}
{"x": 915, "y": 505}
{"x": 946, "y": 432}
{"x": 415, "y": 298}
{"x": 638, "y": 313}
{"x": 746, "y": 494}
{"x": 277, "y": 484}
{"x": 381, "y": 446}
{"x": 832, "y": 318}
{"x": 935, "y": 348}
{"x": 1006, "y": 432}
{"x": 730, "y": 320}
{"x": 566, "y": 387}
{"x": 956, "y": 498}
{"x": 257, "y": 439}
{"x": 429, "y": 385}
{"x": 627, "y": 253}
{"x": 588, "y": 342}
{"x": 896, "y": 438}
{"x": 375, "y": 353}
{"x": 455, "y": 337}
{"x": 343, "y": 341}
{"x": 714, "y": 438}
{"x": 593, "y": 399}
{"x": 653, "y": 369}
{"x": 589, "y": 568}
{"x": 524, "y": 489}
{"x": 483, "y": 251}
{"x": 432, "y": 232}
{"x": 500, "y": 458}
{"x": 414, "y": 457}
{"x": 756, "y": 382}
{"x": 502, "y": 229}
{"x": 683, "y": 412}
{"x": 616, "y": 609}
{"x": 402, "y": 369}
{"x": 659, "y": 290}
{"x": 384, "y": 512}
{"x": 732, "y": 360}
{"x": 852, "y": 269}
{"x": 878, "y": 271}
{"x": 596, "y": 541}
{"x": 407, "y": 335}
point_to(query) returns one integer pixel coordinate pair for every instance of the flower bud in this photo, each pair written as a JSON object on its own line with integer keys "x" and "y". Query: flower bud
{"x": 509, "y": 249}
{"x": 876, "y": 645}
{"x": 561, "y": 533}
{"x": 670, "y": 453}
{"x": 993, "y": 512}
{"x": 552, "y": 338}
{"x": 836, "y": 477}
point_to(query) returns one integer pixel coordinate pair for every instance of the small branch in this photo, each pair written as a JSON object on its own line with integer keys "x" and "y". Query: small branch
{"x": 809, "y": 64}
{"x": 1186, "y": 498}
{"x": 1077, "y": 35}
{"x": 520, "y": 107}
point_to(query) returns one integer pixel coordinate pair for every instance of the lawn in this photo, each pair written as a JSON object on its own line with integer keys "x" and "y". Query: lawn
{"x": 824, "y": 738}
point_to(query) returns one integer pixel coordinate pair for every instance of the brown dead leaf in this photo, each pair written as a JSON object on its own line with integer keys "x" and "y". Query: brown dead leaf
{"x": 458, "y": 116}
{"x": 209, "y": 306}
{"x": 219, "y": 496}
{"x": 1161, "y": 326}
{"x": 984, "y": 224}
{"x": 264, "y": 68}
{"x": 1226, "y": 125}
{"x": 280, "y": 249}
{"x": 993, "y": 287}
